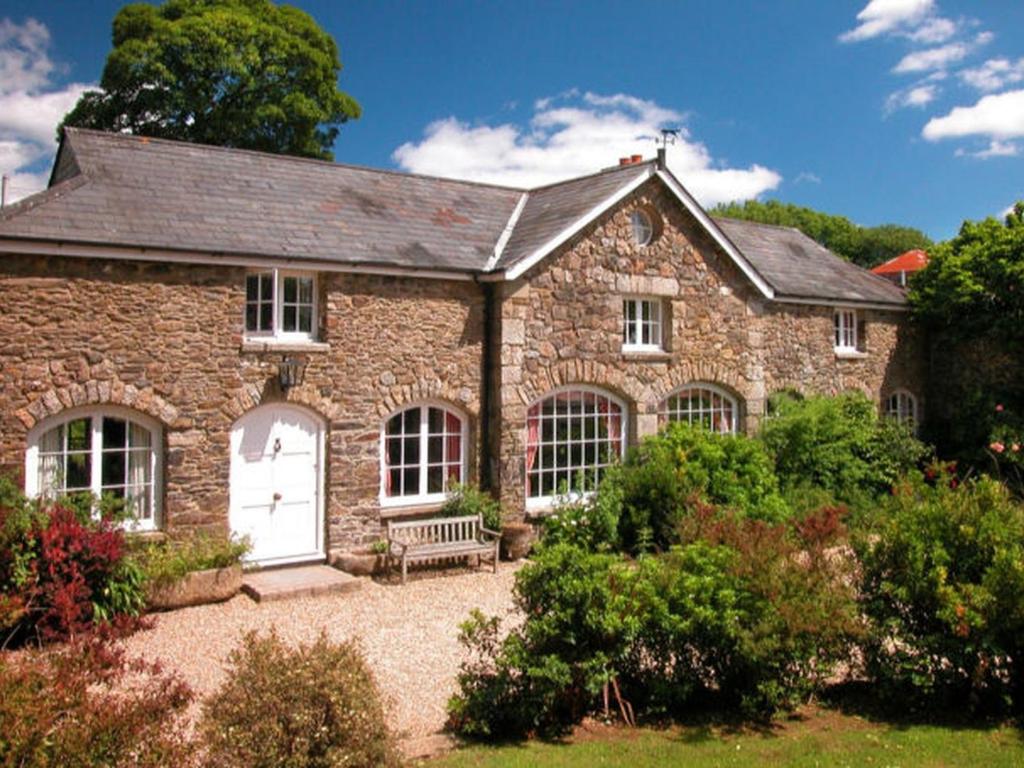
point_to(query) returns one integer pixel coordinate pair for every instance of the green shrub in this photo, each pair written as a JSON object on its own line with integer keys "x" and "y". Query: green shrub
{"x": 590, "y": 524}
{"x": 663, "y": 477}
{"x": 546, "y": 674}
{"x": 314, "y": 706}
{"x": 838, "y": 444}
{"x": 942, "y": 587}
{"x": 84, "y": 704}
{"x": 169, "y": 560}
{"x": 744, "y": 615}
{"x": 469, "y": 500}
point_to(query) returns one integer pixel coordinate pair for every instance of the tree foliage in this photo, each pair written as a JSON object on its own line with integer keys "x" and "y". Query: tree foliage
{"x": 238, "y": 73}
{"x": 864, "y": 246}
{"x": 974, "y": 284}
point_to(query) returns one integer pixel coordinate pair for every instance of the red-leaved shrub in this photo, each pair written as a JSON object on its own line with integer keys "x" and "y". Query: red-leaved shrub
{"x": 86, "y": 704}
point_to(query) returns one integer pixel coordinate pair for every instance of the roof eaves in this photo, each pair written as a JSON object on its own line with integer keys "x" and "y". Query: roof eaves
{"x": 717, "y": 234}
{"x": 524, "y": 264}
{"x": 822, "y": 301}
{"x": 499, "y": 247}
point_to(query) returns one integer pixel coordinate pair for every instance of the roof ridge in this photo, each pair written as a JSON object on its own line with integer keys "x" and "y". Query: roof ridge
{"x": 762, "y": 224}
{"x": 292, "y": 158}
{"x": 602, "y": 172}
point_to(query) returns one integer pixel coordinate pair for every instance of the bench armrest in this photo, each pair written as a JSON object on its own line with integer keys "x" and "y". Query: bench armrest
{"x": 490, "y": 532}
{"x": 395, "y": 542}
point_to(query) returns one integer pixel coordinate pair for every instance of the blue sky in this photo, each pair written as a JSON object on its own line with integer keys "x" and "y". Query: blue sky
{"x": 904, "y": 111}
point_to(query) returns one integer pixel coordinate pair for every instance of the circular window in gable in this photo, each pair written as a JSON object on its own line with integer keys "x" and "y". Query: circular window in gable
{"x": 643, "y": 227}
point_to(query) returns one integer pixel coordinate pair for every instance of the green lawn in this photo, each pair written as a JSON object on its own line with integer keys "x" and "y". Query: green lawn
{"x": 821, "y": 739}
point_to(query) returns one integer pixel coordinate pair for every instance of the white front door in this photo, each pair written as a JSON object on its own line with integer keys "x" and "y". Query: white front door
{"x": 275, "y": 484}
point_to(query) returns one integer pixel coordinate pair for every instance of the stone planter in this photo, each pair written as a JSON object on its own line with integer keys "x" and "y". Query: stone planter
{"x": 360, "y": 562}
{"x": 516, "y": 540}
{"x": 214, "y": 585}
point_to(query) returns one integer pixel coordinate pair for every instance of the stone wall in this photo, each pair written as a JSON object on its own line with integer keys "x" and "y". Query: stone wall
{"x": 166, "y": 340}
{"x": 561, "y": 324}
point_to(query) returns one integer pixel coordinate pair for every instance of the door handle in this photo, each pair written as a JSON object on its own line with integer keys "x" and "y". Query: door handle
{"x": 277, "y": 497}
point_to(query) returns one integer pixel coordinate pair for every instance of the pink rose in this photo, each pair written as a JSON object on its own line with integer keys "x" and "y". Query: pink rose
{"x": 997, "y": 447}
{"x": 1015, "y": 447}
{"x": 999, "y": 408}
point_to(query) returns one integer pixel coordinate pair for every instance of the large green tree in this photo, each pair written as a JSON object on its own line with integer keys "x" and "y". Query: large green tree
{"x": 239, "y": 73}
{"x": 866, "y": 246}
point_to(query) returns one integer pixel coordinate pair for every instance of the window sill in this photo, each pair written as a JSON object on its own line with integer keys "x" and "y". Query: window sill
{"x": 652, "y": 355}
{"x": 276, "y": 345}
{"x": 390, "y": 510}
{"x": 850, "y": 354}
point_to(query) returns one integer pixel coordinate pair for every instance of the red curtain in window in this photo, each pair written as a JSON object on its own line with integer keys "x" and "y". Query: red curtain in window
{"x": 453, "y": 447}
{"x": 613, "y": 414}
{"x": 532, "y": 441}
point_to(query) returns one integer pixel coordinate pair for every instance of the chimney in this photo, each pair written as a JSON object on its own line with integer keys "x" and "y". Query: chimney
{"x": 661, "y": 158}
{"x": 624, "y": 161}
{"x": 636, "y": 159}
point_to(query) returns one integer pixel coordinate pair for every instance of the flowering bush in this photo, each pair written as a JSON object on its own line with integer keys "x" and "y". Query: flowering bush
{"x": 1006, "y": 447}
{"x": 315, "y": 706}
{"x": 85, "y": 704}
{"x": 942, "y": 585}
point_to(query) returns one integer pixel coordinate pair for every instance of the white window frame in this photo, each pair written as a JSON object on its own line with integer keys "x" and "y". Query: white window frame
{"x": 901, "y": 405}
{"x": 844, "y": 330}
{"x": 423, "y": 497}
{"x": 547, "y": 502}
{"x": 633, "y": 320}
{"x": 277, "y": 333}
{"x": 642, "y": 227}
{"x": 96, "y": 415}
{"x": 667, "y": 416}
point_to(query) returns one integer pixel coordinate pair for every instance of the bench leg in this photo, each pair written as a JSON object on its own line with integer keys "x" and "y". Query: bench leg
{"x": 496, "y": 545}
{"x": 404, "y": 569}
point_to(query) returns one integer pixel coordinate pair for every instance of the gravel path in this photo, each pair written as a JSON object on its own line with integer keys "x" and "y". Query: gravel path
{"x": 409, "y": 635}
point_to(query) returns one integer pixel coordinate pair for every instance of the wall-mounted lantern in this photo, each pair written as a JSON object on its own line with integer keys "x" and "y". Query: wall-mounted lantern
{"x": 290, "y": 372}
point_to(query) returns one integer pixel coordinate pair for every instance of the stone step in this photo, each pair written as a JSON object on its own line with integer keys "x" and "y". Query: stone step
{"x": 300, "y": 581}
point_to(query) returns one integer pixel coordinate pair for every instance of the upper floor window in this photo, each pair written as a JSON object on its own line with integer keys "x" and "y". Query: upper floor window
{"x": 423, "y": 455}
{"x": 704, "y": 405}
{"x": 572, "y": 436}
{"x": 902, "y": 406}
{"x": 642, "y": 226}
{"x": 641, "y": 325}
{"x": 280, "y": 304}
{"x": 104, "y": 452}
{"x": 845, "y": 323}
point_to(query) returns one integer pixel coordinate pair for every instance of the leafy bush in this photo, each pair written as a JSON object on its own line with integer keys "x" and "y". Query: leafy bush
{"x": 170, "y": 560}
{"x": 744, "y": 614}
{"x": 61, "y": 571}
{"x": 590, "y": 524}
{"x": 546, "y": 674}
{"x": 84, "y": 704}
{"x": 316, "y": 705}
{"x": 942, "y": 588}
{"x": 839, "y": 444}
{"x": 668, "y": 473}
{"x": 469, "y": 500}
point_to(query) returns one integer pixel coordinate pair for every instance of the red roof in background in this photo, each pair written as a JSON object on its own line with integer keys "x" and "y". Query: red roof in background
{"x": 911, "y": 261}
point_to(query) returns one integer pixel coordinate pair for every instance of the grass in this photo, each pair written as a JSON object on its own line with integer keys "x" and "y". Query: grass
{"x": 817, "y": 738}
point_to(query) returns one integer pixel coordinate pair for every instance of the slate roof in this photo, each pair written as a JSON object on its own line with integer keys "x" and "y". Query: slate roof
{"x": 120, "y": 190}
{"x": 797, "y": 267}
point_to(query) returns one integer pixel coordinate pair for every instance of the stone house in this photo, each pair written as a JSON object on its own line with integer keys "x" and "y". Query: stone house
{"x": 299, "y": 350}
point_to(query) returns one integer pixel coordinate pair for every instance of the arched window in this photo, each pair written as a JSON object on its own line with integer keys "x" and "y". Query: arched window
{"x": 704, "y": 405}
{"x": 423, "y": 453}
{"x": 902, "y": 406}
{"x": 572, "y": 436}
{"x": 102, "y": 451}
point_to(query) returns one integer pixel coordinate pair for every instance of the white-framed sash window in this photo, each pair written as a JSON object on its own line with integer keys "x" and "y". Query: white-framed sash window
{"x": 281, "y": 305}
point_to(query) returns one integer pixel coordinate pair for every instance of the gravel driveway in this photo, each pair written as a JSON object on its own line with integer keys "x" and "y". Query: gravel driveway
{"x": 409, "y": 635}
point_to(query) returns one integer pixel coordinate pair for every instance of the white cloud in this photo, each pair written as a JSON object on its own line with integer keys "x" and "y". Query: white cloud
{"x": 570, "y": 135}
{"x": 994, "y": 74}
{"x": 807, "y": 177}
{"x": 933, "y": 31}
{"x": 31, "y": 105}
{"x": 882, "y": 17}
{"x": 916, "y": 96}
{"x": 995, "y": 148}
{"x": 932, "y": 58}
{"x": 998, "y": 116}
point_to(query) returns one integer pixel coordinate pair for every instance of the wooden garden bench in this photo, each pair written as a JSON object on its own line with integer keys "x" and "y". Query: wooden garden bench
{"x": 440, "y": 537}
